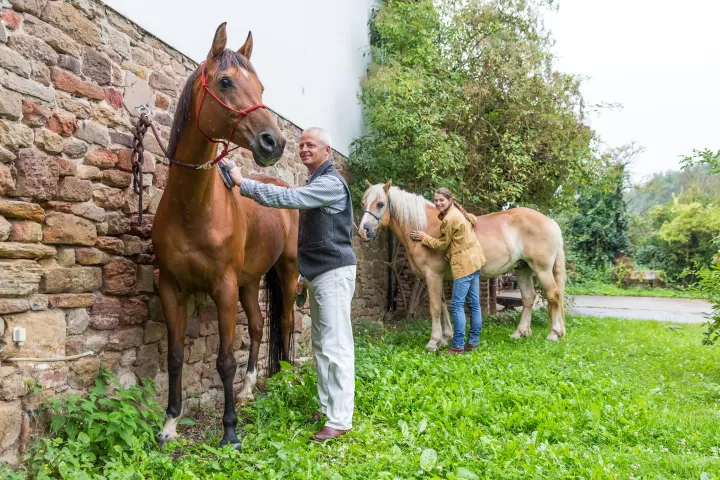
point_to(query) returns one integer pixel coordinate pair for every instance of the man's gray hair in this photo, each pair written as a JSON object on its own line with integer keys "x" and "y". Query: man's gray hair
{"x": 322, "y": 134}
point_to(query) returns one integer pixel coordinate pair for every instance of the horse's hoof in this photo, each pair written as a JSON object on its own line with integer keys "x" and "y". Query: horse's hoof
{"x": 431, "y": 346}
{"x": 234, "y": 443}
{"x": 552, "y": 337}
{"x": 245, "y": 400}
{"x": 519, "y": 334}
{"x": 163, "y": 438}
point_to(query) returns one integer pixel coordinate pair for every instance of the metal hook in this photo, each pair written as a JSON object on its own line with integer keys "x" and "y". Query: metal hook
{"x": 143, "y": 110}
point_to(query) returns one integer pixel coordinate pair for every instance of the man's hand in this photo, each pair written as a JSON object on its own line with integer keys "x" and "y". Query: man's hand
{"x": 232, "y": 170}
{"x": 300, "y": 287}
{"x": 301, "y": 293}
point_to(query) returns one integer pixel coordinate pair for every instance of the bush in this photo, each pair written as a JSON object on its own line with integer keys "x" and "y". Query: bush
{"x": 88, "y": 432}
{"x": 708, "y": 284}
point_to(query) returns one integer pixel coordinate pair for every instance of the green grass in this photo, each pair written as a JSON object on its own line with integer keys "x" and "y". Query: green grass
{"x": 615, "y": 399}
{"x": 612, "y": 290}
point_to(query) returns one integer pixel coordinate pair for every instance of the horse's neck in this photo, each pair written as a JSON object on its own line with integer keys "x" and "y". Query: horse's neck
{"x": 196, "y": 185}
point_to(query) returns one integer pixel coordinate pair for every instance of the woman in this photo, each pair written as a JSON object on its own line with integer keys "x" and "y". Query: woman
{"x": 466, "y": 257}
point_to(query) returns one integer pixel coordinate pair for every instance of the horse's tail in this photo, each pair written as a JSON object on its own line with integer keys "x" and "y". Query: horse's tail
{"x": 560, "y": 275}
{"x": 273, "y": 317}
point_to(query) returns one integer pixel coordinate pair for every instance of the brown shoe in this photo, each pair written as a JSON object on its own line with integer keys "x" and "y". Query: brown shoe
{"x": 456, "y": 351}
{"x": 328, "y": 433}
{"x": 470, "y": 348}
{"x": 316, "y": 417}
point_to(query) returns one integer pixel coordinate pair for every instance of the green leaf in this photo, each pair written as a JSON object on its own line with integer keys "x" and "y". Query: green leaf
{"x": 428, "y": 459}
{"x": 464, "y": 473}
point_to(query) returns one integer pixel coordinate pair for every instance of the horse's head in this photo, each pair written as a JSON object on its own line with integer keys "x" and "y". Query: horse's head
{"x": 228, "y": 102}
{"x": 378, "y": 210}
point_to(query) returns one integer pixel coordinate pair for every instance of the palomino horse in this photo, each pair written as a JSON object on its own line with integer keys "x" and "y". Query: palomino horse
{"x": 207, "y": 238}
{"x": 521, "y": 239}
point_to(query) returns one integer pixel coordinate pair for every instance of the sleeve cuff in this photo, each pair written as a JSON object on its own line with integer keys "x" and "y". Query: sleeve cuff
{"x": 248, "y": 187}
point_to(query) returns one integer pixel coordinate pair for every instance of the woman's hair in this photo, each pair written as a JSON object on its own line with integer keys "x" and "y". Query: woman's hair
{"x": 448, "y": 194}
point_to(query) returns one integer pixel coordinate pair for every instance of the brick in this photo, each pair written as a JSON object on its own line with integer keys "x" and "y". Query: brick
{"x": 144, "y": 230}
{"x": 34, "y": 114}
{"x": 30, "y": 6}
{"x": 19, "y": 277}
{"x": 66, "y": 257}
{"x": 104, "y": 322}
{"x": 97, "y": 67}
{"x": 51, "y": 35}
{"x": 71, "y": 83}
{"x": 145, "y": 278}
{"x": 101, "y": 158}
{"x": 13, "y": 305}
{"x": 11, "y": 19}
{"x": 154, "y": 332}
{"x": 62, "y": 228}
{"x": 119, "y": 276}
{"x": 28, "y": 87}
{"x": 89, "y": 210}
{"x": 114, "y": 97}
{"x": 77, "y": 321}
{"x": 62, "y": 123}
{"x": 45, "y": 333}
{"x": 121, "y": 138}
{"x": 37, "y": 175}
{"x": 24, "y": 231}
{"x": 133, "y": 245}
{"x": 73, "y": 189}
{"x": 92, "y": 132}
{"x": 5, "y": 229}
{"x": 14, "y": 62}
{"x": 34, "y": 48}
{"x": 108, "y": 116}
{"x": 7, "y": 181}
{"x": 133, "y": 311}
{"x": 65, "y": 17}
{"x": 91, "y": 256}
{"x": 72, "y": 300}
{"x": 48, "y": 141}
{"x": 110, "y": 244}
{"x": 77, "y": 107}
{"x": 76, "y": 279}
{"x": 41, "y": 73}
{"x": 125, "y": 338}
{"x": 162, "y": 101}
{"x": 22, "y": 210}
{"x": 161, "y": 175}
{"x": 118, "y": 223}
{"x": 74, "y": 148}
{"x": 116, "y": 178}
{"x": 25, "y": 250}
{"x": 70, "y": 63}
{"x": 55, "y": 206}
{"x": 15, "y": 135}
{"x": 6, "y": 156}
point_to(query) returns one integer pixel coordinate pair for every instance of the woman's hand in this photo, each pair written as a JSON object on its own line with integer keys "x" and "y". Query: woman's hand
{"x": 231, "y": 170}
{"x": 418, "y": 235}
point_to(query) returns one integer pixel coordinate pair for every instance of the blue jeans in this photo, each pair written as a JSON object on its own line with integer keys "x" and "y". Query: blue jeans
{"x": 466, "y": 287}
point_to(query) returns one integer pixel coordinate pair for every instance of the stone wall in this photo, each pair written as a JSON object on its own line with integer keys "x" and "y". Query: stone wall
{"x": 75, "y": 269}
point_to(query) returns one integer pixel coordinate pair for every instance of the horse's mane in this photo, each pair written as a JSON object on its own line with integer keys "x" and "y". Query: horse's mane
{"x": 228, "y": 59}
{"x": 408, "y": 209}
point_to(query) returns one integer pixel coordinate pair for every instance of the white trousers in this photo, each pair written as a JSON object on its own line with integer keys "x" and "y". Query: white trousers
{"x": 332, "y": 340}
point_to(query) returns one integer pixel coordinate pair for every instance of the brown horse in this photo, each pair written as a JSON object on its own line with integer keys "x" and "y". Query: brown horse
{"x": 207, "y": 238}
{"x": 520, "y": 239}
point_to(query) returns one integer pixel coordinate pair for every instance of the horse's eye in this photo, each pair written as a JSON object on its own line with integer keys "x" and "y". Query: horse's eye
{"x": 225, "y": 82}
{"x": 380, "y": 205}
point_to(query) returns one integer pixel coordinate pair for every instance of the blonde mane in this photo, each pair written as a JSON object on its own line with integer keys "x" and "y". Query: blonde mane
{"x": 408, "y": 209}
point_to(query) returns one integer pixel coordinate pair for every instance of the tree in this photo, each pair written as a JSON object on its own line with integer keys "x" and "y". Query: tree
{"x": 598, "y": 230}
{"x": 462, "y": 94}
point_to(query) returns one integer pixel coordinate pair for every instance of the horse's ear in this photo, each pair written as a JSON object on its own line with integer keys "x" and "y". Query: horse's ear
{"x": 246, "y": 49}
{"x": 387, "y": 186}
{"x": 367, "y": 184}
{"x": 219, "y": 42}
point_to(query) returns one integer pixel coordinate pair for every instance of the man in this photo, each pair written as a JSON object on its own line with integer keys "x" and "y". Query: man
{"x": 327, "y": 264}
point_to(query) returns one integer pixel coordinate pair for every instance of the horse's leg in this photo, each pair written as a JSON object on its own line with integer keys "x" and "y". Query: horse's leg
{"x": 447, "y": 324}
{"x": 249, "y": 300}
{"x": 174, "y": 305}
{"x": 288, "y": 273}
{"x": 554, "y": 299}
{"x": 434, "y": 285}
{"x": 527, "y": 291}
{"x": 225, "y": 297}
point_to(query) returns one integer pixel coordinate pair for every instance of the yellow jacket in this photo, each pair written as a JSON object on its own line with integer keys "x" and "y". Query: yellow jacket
{"x": 458, "y": 239}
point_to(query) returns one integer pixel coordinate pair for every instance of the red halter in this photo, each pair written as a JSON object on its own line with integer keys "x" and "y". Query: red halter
{"x": 241, "y": 113}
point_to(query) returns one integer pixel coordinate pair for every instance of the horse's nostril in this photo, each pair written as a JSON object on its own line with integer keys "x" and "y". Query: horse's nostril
{"x": 267, "y": 141}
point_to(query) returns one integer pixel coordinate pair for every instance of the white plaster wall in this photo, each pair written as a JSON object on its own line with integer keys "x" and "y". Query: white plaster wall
{"x": 309, "y": 53}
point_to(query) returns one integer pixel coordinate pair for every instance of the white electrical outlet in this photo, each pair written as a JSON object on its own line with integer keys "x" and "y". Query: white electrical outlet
{"x": 19, "y": 335}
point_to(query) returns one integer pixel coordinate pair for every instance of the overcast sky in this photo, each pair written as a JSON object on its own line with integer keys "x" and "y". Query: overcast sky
{"x": 659, "y": 59}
